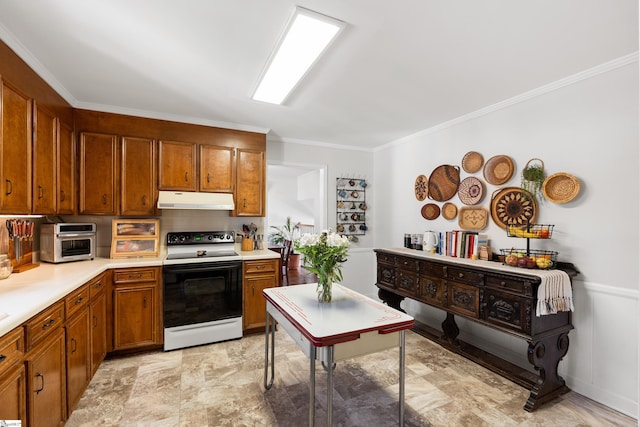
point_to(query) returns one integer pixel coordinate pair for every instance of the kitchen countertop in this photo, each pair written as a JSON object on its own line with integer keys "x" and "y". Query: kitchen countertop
{"x": 23, "y": 295}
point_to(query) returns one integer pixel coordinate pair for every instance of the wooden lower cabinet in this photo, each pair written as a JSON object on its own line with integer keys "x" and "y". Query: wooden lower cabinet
{"x": 78, "y": 357}
{"x": 256, "y": 276}
{"x": 47, "y": 401}
{"x": 98, "y": 330}
{"x": 137, "y": 307}
{"x": 13, "y": 389}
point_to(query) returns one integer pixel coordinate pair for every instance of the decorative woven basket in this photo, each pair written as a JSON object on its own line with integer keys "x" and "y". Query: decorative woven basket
{"x": 472, "y": 162}
{"x": 561, "y": 187}
{"x": 449, "y": 210}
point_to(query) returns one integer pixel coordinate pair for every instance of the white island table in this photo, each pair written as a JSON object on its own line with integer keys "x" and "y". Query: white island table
{"x": 350, "y": 325}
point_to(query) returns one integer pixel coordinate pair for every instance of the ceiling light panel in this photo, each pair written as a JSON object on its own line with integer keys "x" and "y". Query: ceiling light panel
{"x": 306, "y": 37}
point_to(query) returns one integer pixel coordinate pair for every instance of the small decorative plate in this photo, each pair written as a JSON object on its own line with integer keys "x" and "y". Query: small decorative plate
{"x": 430, "y": 211}
{"x": 472, "y": 162}
{"x": 473, "y": 218}
{"x": 471, "y": 191}
{"x": 421, "y": 187}
{"x": 449, "y": 210}
{"x": 513, "y": 206}
{"x": 498, "y": 170}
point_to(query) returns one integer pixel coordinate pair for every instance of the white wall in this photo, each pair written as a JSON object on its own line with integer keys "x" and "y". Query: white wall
{"x": 588, "y": 128}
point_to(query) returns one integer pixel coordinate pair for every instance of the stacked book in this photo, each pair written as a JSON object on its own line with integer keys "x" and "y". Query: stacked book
{"x": 461, "y": 244}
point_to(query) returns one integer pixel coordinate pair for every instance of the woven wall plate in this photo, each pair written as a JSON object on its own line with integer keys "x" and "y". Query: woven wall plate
{"x": 561, "y": 187}
{"x": 473, "y": 218}
{"x": 472, "y": 162}
{"x": 498, "y": 170}
{"x": 420, "y": 187}
{"x": 449, "y": 210}
{"x": 513, "y": 206}
{"x": 471, "y": 191}
{"x": 443, "y": 183}
{"x": 430, "y": 211}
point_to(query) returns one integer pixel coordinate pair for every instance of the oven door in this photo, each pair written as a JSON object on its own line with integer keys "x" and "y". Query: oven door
{"x": 202, "y": 292}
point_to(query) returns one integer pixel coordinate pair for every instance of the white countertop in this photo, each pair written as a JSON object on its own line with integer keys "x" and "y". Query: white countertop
{"x": 25, "y": 294}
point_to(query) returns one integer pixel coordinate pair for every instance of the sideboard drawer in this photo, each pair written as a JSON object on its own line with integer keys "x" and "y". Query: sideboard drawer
{"x": 386, "y": 258}
{"x": 518, "y": 286}
{"x": 407, "y": 281}
{"x": 431, "y": 268}
{"x": 431, "y": 290}
{"x": 508, "y": 310}
{"x": 463, "y": 299}
{"x": 465, "y": 276}
{"x": 410, "y": 264}
{"x": 386, "y": 275}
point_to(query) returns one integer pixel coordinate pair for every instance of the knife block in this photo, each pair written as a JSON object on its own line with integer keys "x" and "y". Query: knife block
{"x": 26, "y": 255}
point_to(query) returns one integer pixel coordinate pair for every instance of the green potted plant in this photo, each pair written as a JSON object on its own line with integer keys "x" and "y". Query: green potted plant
{"x": 286, "y": 232}
{"x": 533, "y": 178}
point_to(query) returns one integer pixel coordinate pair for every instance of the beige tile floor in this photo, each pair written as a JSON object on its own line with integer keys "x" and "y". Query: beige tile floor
{"x": 221, "y": 385}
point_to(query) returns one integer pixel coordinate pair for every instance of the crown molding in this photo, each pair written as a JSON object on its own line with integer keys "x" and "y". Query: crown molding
{"x": 319, "y": 144}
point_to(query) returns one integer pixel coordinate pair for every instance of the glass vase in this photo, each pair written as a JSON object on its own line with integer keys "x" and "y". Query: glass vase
{"x": 324, "y": 289}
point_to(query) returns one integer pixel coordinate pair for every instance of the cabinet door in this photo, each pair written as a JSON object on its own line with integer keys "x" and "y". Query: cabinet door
{"x": 45, "y": 144}
{"x": 177, "y": 162}
{"x": 14, "y": 392}
{"x": 98, "y": 172}
{"x": 47, "y": 391}
{"x": 66, "y": 170}
{"x": 98, "y": 319}
{"x": 138, "y": 178}
{"x": 250, "y": 186}
{"x": 217, "y": 169}
{"x": 78, "y": 363}
{"x": 135, "y": 317}
{"x": 15, "y": 196}
{"x": 258, "y": 275}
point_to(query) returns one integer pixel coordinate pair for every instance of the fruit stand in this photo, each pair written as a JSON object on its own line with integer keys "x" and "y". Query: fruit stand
{"x": 530, "y": 258}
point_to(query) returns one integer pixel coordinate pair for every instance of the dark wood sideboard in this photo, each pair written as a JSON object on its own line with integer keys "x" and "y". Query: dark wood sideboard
{"x": 502, "y": 300}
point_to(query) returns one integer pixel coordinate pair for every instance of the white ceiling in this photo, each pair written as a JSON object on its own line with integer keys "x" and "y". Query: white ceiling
{"x": 399, "y": 67}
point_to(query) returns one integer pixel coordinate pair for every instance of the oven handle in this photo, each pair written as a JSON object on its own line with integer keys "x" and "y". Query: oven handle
{"x": 196, "y": 268}
{"x": 67, "y": 235}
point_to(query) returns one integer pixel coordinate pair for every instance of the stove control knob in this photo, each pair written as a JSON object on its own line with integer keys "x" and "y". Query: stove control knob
{"x": 173, "y": 238}
{"x": 210, "y": 237}
{"x": 182, "y": 238}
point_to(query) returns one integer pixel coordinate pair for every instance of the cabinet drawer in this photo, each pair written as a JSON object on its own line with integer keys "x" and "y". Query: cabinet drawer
{"x": 431, "y": 290}
{"x": 96, "y": 285}
{"x": 431, "y": 268}
{"x": 465, "y": 276}
{"x": 135, "y": 275}
{"x": 409, "y": 264}
{"x": 407, "y": 282}
{"x": 11, "y": 349}
{"x": 463, "y": 299}
{"x": 387, "y": 275}
{"x": 518, "y": 286}
{"x": 386, "y": 258}
{"x": 44, "y": 323}
{"x": 508, "y": 310}
{"x": 260, "y": 266}
{"x": 76, "y": 300}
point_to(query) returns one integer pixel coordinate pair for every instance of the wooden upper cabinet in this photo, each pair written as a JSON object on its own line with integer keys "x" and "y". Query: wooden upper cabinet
{"x": 98, "y": 174}
{"x": 66, "y": 170}
{"x": 177, "y": 162}
{"x": 45, "y": 145}
{"x": 217, "y": 169}
{"x": 15, "y": 149}
{"x": 250, "y": 188}
{"x": 138, "y": 178}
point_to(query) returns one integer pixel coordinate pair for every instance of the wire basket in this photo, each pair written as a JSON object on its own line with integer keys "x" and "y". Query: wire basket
{"x": 535, "y": 259}
{"x": 533, "y": 231}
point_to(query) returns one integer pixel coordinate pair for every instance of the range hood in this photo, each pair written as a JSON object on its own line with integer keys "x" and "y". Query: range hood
{"x": 193, "y": 200}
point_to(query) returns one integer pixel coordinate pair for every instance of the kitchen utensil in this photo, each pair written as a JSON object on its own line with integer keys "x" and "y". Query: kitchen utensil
{"x": 473, "y": 218}
{"x": 471, "y": 191}
{"x": 513, "y": 206}
{"x": 430, "y": 241}
{"x": 443, "y": 183}
{"x": 253, "y": 229}
{"x": 560, "y": 187}
{"x": 420, "y": 187}
{"x": 498, "y": 170}
{"x": 430, "y": 211}
{"x": 449, "y": 210}
{"x": 472, "y": 162}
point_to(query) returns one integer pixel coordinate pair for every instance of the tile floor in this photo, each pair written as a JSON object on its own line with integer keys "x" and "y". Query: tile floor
{"x": 221, "y": 385}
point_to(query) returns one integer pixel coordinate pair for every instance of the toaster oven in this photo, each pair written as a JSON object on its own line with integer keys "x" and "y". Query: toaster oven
{"x": 64, "y": 242}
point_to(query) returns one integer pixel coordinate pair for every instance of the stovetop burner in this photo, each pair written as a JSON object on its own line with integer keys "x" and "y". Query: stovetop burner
{"x": 198, "y": 245}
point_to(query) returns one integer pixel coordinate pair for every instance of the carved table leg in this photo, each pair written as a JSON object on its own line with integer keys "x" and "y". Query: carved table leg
{"x": 545, "y": 355}
{"x": 391, "y": 299}
{"x": 450, "y": 329}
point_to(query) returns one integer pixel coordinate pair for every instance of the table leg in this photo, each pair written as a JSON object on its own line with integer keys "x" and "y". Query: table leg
{"x": 312, "y": 385}
{"x": 401, "y": 381}
{"x": 272, "y": 323}
{"x": 330, "y": 366}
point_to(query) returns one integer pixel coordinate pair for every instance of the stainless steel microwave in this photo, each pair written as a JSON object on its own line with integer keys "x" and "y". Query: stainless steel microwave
{"x": 64, "y": 242}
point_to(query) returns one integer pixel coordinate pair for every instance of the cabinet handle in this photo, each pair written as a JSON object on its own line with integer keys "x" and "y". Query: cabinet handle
{"x": 79, "y": 300}
{"x": 48, "y": 324}
{"x": 260, "y": 267}
{"x": 9, "y": 186}
{"x": 2, "y": 358}
{"x": 244, "y": 203}
{"x": 253, "y": 290}
{"x": 461, "y": 275}
{"x": 95, "y": 322}
{"x": 63, "y": 196}
{"x": 40, "y": 191}
{"x": 104, "y": 199}
{"x": 41, "y": 388}
{"x": 186, "y": 176}
{"x": 208, "y": 178}
{"x": 75, "y": 345}
{"x": 144, "y": 200}
{"x": 144, "y": 302}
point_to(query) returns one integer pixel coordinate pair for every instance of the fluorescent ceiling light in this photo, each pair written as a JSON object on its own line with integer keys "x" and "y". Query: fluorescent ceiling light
{"x": 305, "y": 38}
